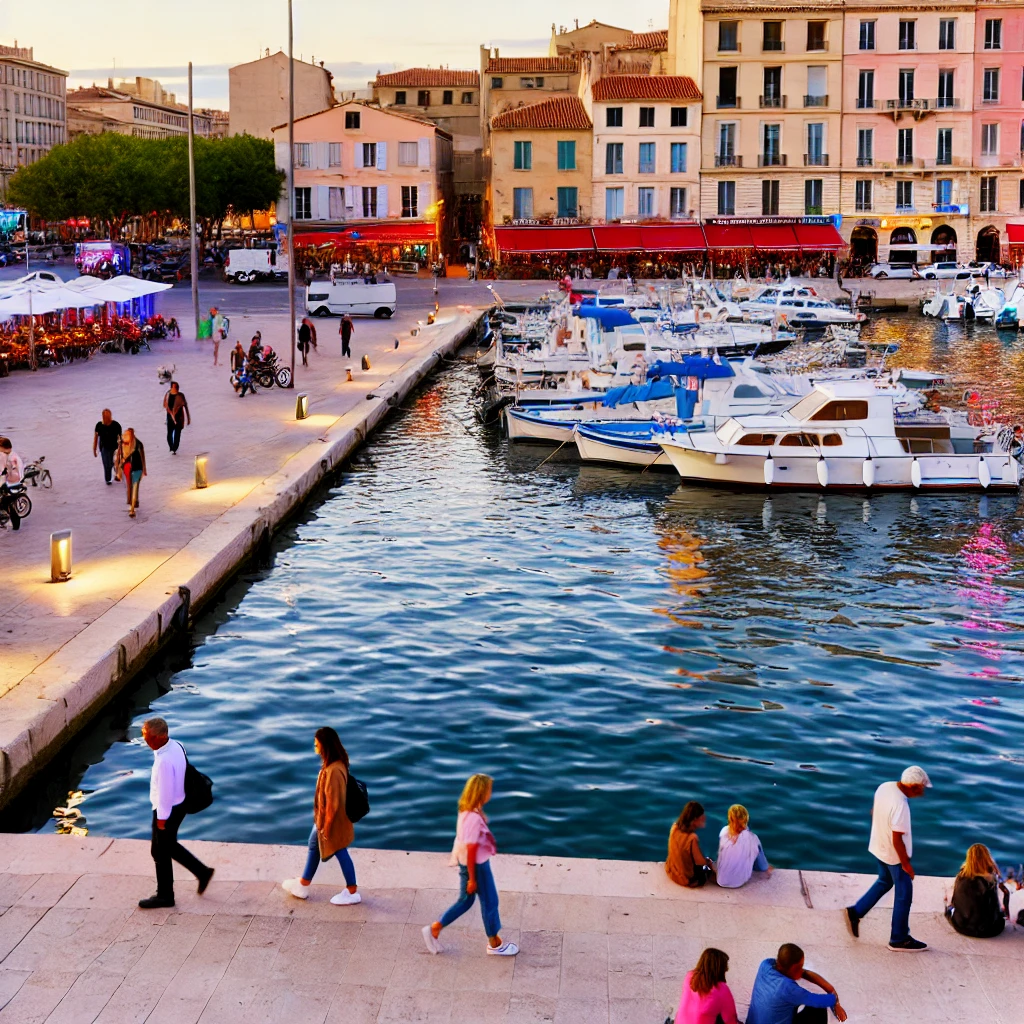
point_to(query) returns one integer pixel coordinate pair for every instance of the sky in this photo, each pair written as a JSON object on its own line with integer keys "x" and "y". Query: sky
{"x": 97, "y": 39}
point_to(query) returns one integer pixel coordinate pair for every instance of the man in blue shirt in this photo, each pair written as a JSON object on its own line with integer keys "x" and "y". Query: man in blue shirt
{"x": 778, "y": 999}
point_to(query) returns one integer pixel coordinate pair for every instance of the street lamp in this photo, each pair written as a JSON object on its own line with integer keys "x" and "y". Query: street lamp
{"x": 291, "y": 192}
{"x": 60, "y": 556}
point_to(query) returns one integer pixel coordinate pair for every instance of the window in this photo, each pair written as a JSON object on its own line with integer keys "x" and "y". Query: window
{"x": 865, "y": 147}
{"x": 866, "y": 90}
{"x": 906, "y": 87}
{"x": 757, "y": 440}
{"x": 567, "y": 155}
{"x": 369, "y": 201}
{"x": 535, "y": 82}
{"x": 770, "y": 136}
{"x": 678, "y": 117}
{"x": 769, "y": 198}
{"x": 943, "y": 191}
{"x": 772, "y": 87}
{"x": 908, "y": 35}
{"x": 989, "y": 139}
{"x": 613, "y": 117}
{"x": 369, "y": 154}
{"x": 726, "y": 198}
{"x": 989, "y": 203}
{"x": 842, "y": 409}
{"x": 678, "y": 165}
{"x": 447, "y": 98}
{"x": 816, "y": 145}
{"x": 944, "y": 147}
{"x": 727, "y": 87}
{"x": 410, "y": 201}
{"x": 993, "y": 33}
{"x": 816, "y": 35}
{"x": 568, "y": 204}
{"x": 423, "y": 98}
{"x": 905, "y": 146}
{"x": 677, "y": 202}
{"x": 905, "y": 196}
{"x": 467, "y": 98}
{"x": 990, "y": 86}
{"x": 497, "y": 83}
{"x": 1021, "y": 198}
{"x": 303, "y": 203}
{"x": 301, "y": 154}
{"x": 813, "y": 191}
{"x": 613, "y": 158}
{"x": 645, "y": 202}
{"x": 647, "y": 117}
{"x": 352, "y": 119}
{"x": 867, "y": 35}
{"x": 817, "y": 87}
{"x": 646, "y": 163}
{"x": 862, "y": 196}
{"x": 522, "y": 203}
{"x": 771, "y": 37}
{"x": 400, "y": 98}
{"x": 728, "y": 36}
{"x": 726, "y": 155}
{"x": 334, "y": 154}
{"x": 800, "y": 441}
{"x": 408, "y": 154}
{"x": 614, "y": 203}
{"x": 947, "y": 34}
{"x": 945, "y": 97}
{"x": 522, "y": 156}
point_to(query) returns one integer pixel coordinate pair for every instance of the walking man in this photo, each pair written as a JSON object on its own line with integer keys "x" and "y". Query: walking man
{"x": 106, "y": 437}
{"x": 177, "y": 415}
{"x": 345, "y": 329}
{"x": 304, "y": 340}
{"x": 220, "y": 332}
{"x": 892, "y": 846}
{"x": 167, "y": 794}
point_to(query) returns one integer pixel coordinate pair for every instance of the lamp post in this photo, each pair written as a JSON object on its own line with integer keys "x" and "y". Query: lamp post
{"x": 291, "y": 192}
{"x": 194, "y": 251}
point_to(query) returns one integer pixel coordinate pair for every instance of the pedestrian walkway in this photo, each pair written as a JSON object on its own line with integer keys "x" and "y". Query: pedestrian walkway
{"x": 603, "y": 942}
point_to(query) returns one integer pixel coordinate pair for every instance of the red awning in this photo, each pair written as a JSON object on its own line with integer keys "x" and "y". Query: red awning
{"x": 774, "y": 237}
{"x": 818, "y": 237}
{"x": 673, "y": 238}
{"x": 544, "y": 239}
{"x": 619, "y": 238}
{"x": 728, "y": 236}
{"x": 1015, "y": 232}
{"x": 413, "y": 233}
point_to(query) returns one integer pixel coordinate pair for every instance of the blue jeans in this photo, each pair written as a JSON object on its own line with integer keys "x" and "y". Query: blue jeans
{"x": 348, "y": 869}
{"x": 488, "y": 893}
{"x": 888, "y": 876}
{"x": 107, "y": 458}
{"x": 761, "y": 864}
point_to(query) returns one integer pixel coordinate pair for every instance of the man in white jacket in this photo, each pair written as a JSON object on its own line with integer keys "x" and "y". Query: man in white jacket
{"x": 167, "y": 794}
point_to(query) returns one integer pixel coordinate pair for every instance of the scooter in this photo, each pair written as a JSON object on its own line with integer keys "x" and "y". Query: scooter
{"x": 15, "y": 505}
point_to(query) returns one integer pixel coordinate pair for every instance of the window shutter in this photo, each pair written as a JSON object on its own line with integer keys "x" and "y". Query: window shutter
{"x": 382, "y": 156}
{"x": 323, "y": 202}
{"x": 382, "y": 200}
{"x": 423, "y": 158}
{"x": 422, "y": 198}
{"x": 336, "y": 208}
{"x": 323, "y": 157}
{"x": 281, "y": 155}
{"x": 314, "y": 208}
{"x": 350, "y": 197}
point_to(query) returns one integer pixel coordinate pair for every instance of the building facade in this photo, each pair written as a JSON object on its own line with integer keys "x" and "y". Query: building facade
{"x": 258, "y": 93}
{"x": 94, "y": 109}
{"x": 33, "y": 115}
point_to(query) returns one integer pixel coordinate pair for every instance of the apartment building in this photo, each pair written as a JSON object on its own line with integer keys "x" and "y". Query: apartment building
{"x": 95, "y": 109}
{"x": 646, "y": 147}
{"x": 509, "y": 82}
{"x": 33, "y": 117}
{"x": 258, "y": 93}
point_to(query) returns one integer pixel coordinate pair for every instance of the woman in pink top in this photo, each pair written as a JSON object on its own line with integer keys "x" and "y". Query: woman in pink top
{"x": 472, "y": 852}
{"x": 706, "y": 998}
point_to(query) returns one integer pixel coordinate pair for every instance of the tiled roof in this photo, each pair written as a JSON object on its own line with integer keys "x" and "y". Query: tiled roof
{"x": 565, "y": 112}
{"x": 645, "y": 41}
{"x": 532, "y": 65}
{"x": 645, "y": 87}
{"x": 421, "y": 78}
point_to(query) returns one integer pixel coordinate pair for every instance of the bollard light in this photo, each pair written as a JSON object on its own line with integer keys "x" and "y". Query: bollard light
{"x": 348, "y": 373}
{"x": 301, "y": 406}
{"x": 201, "y": 480}
{"x": 60, "y": 556}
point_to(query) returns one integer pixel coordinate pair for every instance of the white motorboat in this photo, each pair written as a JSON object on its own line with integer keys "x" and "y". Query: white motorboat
{"x": 987, "y": 303}
{"x": 946, "y": 306}
{"x": 799, "y": 306}
{"x": 842, "y": 435}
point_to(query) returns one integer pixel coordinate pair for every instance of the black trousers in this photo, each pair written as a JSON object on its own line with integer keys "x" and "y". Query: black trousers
{"x": 174, "y": 433}
{"x": 810, "y": 1015}
{"x": 166, "y": 848}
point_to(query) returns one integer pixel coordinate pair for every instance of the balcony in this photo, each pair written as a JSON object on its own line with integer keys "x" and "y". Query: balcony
{"x": 773, "y": 46}
{"x": 728, "y": 160}
{"x": 773, "y": 101}
{"x": 771, "y": 160}
{"x": 727, "y": 102}
{"x": 816, "y": 101}
{"x": 863, "y": 103}
{"x": 865, "y": 161}
{"x": 906, "y": 103}
{"x": 947, "y": 103}
{"x": 815, "y": 159}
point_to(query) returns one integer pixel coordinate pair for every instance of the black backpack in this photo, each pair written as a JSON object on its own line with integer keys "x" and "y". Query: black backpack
{"x": 357, "y": 800}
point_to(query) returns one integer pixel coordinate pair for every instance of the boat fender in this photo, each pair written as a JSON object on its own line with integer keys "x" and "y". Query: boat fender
{"x": 769, "y": 471}
{"x": 721, "y": 458}
{"x": 822, "y": 469}
{"x": 915, "y": 473}
{"x": 984, "y": 474}
{"x": 867, "y": 471}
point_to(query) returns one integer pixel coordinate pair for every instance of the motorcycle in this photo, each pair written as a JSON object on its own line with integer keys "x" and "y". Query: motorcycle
{"x": 15, "y": 505}
{"x": 37, "y": 474}
{"x": 267, "y": 372}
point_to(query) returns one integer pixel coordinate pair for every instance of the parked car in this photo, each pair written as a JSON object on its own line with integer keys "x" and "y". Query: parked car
{"x": 880, "y": 271}
{"x": 977, "y": 269}
{"x": 945, "y": 272}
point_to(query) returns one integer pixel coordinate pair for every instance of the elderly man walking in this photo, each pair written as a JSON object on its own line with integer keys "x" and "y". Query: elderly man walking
{"x": 167, "y": 794}
{"x": 892, "y": 846}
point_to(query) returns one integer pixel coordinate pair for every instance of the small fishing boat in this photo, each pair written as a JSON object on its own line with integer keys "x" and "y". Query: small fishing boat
{"x": 626, "y": 443}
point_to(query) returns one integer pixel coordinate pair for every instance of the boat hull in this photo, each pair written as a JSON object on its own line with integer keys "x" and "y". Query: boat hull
{"x": 620, "y": 452}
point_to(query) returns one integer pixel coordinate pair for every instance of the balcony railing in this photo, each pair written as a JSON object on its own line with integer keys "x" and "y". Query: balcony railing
{"x": 773, "y": 101}
{"x": 989, "y": 99}
{"x": 773, "y": 46}
{"x": 818, "y": 46}
{"x": 728, "y": 160}
{"x": 816, "y": 101}
{"x": 904, "y": 161}
{"x": 905, "y": 208}
{"x": 737, "y": 48}
{"x": 865, "y": 104}
{"x": 906, "y": 103}
{"x": 865, "y": 161}
{"x": 863, "y": 207}
{"x": 727, "y": 102}
{"x": 947, "y": 103}
{"x": 771, "y": 160}
{"x": 815, "y": 159}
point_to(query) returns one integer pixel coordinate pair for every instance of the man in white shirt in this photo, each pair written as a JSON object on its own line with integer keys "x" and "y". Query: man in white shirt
{"x": 167, "y": 795}
{"x": 892, "y": 846}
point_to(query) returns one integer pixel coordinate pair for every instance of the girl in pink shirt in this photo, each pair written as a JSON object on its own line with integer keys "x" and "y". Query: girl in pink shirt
{"x": 706, "y": 997}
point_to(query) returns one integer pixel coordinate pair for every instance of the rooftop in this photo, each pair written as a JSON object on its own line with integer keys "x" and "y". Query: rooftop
{"x": 367, "y": 105}
{"x": 532, "y": 65}
{"x": 565, "y": 112}
{"x": 427, "y": 77}
{"x": 645, "y": 41}
{"x": 645, "y": 87}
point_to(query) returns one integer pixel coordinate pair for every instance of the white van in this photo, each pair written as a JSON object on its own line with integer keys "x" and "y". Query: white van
{"x": 351, "y": 295}
{"x": 245, "y": 265}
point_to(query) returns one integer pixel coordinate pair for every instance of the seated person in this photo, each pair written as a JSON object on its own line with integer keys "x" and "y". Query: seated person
{"x": 706, "y": 998}
{"x": 739, "y": 851}
{"x": 685, "y": 863}
{"x": 778, "y": 999}
{"x": 976, "y": 909}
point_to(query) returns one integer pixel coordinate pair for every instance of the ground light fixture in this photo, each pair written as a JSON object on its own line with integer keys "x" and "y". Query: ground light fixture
{"x": 301, "y": 406}
{"x": 60, "y": 556}
{"x": 201, "y": 463}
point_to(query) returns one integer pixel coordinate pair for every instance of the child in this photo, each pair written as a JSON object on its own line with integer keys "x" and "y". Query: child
{"x": 472, "y": 852}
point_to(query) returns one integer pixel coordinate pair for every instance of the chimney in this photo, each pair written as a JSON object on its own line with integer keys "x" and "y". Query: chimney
{"x": 110, "y": 83}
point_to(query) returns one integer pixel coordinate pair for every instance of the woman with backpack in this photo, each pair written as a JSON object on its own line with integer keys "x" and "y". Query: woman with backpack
{"x": 332, "y": 830}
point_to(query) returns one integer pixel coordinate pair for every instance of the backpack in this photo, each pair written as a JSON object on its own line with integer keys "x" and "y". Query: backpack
{"x": 357, "y": 800}
{"x": 198, "y": 788}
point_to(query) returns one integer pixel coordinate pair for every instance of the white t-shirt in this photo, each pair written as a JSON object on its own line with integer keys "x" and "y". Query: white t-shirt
{"x": 735, "y": 862}
{"x": 891, "y": 813}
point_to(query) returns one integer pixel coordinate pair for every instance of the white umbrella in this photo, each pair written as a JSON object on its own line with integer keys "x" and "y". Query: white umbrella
{"x": 33, "y": 302}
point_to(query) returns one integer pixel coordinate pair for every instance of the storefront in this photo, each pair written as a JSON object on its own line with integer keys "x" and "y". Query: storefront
{"x": 381, "y": 243}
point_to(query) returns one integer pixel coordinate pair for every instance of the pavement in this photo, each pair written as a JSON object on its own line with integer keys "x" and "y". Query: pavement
{"x": 602, "y": 942}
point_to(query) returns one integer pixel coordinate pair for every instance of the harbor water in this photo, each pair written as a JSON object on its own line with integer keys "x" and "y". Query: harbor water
{"x": 608, "y": 645}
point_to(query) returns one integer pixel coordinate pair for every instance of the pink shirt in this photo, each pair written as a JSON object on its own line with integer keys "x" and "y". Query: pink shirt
{"x": 698, "y": 1009}
{"x": 472, "y": 830}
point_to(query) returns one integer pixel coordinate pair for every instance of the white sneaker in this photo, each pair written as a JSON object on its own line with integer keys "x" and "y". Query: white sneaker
{"x": 433, "y": 946}
{"x": 505, "y": 949}
{"x": 295, "y": 887}
{"x": 345, "y": 898}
